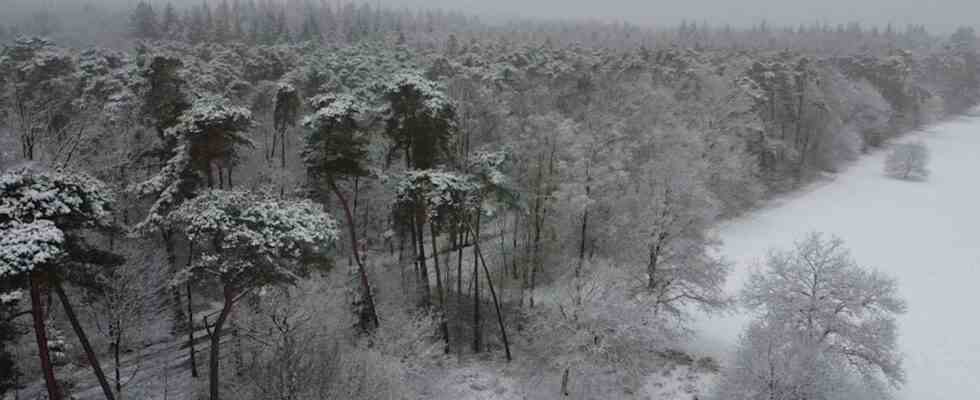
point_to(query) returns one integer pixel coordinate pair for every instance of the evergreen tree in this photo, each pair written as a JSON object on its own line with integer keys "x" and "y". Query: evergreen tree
{"x": 170, "y": 25}
{"x": 311, "y": 28}
{"x": 207, "y": 23}
{"x": 45, "y": 241}
{"x": 10, "y": 299}
{"x": 336, "y": 150}
{"x": 222, "y": 22}
{"x": 143, "y": 22}
{"x": 246, "y": 243}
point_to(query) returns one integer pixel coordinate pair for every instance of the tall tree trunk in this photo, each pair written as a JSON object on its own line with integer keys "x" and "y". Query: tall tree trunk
{"x": 513, "y": 258}
{"x": 190, "y": 331}
{"x": 443, "y": 324}
{"x": 367, "y": 314}
{"x": 83, "y": 339}
{"x": 415, "y": 255}
{"x": 41, "y": 336}
{"x": 214, "y": 361}
{"x": 221, "y": 176}
{"x": 584, "y": 238}
{"x": 538, "y": 222}
{"x": 170, "y": 249}
{"x": 496, "y": 302}
{"x": 425, "y": 289}
{"x": 585, "y": 224}
{"x": 282, "y": 144}
{"x": 477, "y": 330}
{"x": 116, "y": 352}
{"x": 463, "y": 237}
{"x": 461, "y": 240}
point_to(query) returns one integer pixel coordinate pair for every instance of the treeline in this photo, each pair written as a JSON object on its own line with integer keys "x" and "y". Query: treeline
{"x": 568, "y": 189}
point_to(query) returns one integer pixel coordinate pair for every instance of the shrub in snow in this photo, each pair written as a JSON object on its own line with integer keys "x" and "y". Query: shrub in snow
{"x": 908, "y": 161}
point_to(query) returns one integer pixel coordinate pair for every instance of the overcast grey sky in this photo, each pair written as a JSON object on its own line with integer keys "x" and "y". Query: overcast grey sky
{"x": 937, "y": 14}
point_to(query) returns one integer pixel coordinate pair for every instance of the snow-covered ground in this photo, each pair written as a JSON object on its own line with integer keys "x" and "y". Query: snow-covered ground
{"x": 927, "y": 234}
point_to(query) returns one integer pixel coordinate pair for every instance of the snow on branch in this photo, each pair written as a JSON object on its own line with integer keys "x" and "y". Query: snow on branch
{"x": 71, "y": 200}
{"x": 26, "y": 246}
{"x": 246, "y": 235}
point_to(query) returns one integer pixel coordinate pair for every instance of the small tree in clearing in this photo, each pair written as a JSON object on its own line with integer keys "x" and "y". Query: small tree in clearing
{"x": 908, "y": 161}
{"x": 248, "y": 242}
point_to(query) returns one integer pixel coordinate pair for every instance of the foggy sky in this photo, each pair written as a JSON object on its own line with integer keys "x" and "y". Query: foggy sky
{"x": 942, "y": 15}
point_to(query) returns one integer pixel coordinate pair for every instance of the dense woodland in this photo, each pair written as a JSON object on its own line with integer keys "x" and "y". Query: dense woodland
{"x": 318, "y": 201}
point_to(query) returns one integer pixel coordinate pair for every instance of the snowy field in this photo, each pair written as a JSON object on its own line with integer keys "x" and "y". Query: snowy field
{"x": 927, "y": 234}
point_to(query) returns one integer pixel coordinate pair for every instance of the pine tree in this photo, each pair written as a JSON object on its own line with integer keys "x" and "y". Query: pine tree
{"x": 222, "y": 22}
{"x": 336, "y": 150}
{"x": 170, "y": 25}
{"x": 143, "y": 22}
{"x": 10, "y": 299}
{"x": 45, "y": 242}
{"x": 311, "y": 28}
{"x": 246, "y": 243}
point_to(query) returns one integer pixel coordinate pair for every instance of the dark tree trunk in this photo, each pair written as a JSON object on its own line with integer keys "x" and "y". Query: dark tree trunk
{"x": 538, "y": 222}
{"x": 367, "y": 315}
{"x": 496, "y": 302}
{"x": 440, "y": 294}
{"x": 170, "y": 248}
{"x": 424, "y": 289}
{"x": 477, "y": 330}
{"x": 116, "y": 353}
{"x": 83, "y": 339}
{"x": 513, "y": 257}
{"x": 461, "y": 239}
{"x": 214, "y": 361}
{"x": 443, "y": 324}
{"x": 41, "y": 336}
{"x": 190, "y": 331}
{"x": 221, "y": 177}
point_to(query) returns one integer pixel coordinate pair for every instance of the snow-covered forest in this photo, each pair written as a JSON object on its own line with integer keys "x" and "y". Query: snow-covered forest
{"x": 247, "y": 199}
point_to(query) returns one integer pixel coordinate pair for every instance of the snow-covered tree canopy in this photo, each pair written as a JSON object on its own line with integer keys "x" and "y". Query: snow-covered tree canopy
{"x": 335, "y": 146}
{"x": 71, "y": 201}
{"x": 26, "y": 246}
{"x": 35, "y": 61}
{"x": 356, "y": 69}
{"x": 440, "y": 193}
{"x": 246, "y": 240}
{"x": 835, "y": 306}
{"x": 105, "y": 78}
{"x": 38, "y": 213}
{"x": 211, "y": 130}
{"x": 209, "y": 113}
{"x": 419, "y": 118}
{"x": 495, "y": 189}
{"x": 287, "y": 106}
